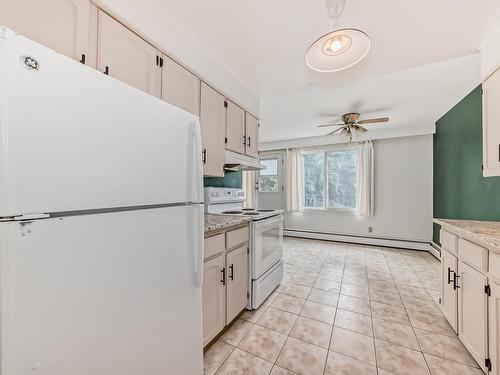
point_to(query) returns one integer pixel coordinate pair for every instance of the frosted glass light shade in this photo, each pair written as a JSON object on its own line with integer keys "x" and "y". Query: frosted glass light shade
{"x": 338, "y": 50}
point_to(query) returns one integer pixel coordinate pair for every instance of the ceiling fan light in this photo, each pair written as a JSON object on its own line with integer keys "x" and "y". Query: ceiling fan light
{"x": 338, "y": 50}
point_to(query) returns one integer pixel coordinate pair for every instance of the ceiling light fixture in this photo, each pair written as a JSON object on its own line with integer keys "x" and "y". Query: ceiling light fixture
{"x": 339, "y": 49}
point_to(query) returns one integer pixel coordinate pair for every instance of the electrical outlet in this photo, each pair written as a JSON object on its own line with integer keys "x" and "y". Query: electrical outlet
{"x": 370, "y": 229}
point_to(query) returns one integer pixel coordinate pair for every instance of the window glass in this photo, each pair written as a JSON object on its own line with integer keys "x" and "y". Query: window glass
{"x": 313, "y": 180}
{"x": 268, "y": 178}
{"x": 342, "y": 179}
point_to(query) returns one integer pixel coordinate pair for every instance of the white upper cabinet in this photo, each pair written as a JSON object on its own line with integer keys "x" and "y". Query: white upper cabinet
{"x": 63, "y": 25}
{"x": 252, "y": 134}
{"x": 180, "y": 87}
{"x": 213, "y": 130}
{"x": 235, "y": 128}
{"x": 127, "y": 57}
{"x": 491, "y": 125}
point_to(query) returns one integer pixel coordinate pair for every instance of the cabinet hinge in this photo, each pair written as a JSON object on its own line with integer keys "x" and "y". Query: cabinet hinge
{"x": 248, "y": 295}
{"x": 161, "y": 62}
{"x": 157, "y": 60}
{"x": 225, "y": 140}
{"x": 225, "y": 104}
{"x": 439, "y": 300}
{"x": 487, "y": 363}
{"x": 487, "y": 290}
{"x": 82, "y": 60}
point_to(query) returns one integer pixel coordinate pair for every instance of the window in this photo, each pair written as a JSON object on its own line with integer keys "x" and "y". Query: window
{"x": 268, "y": 178}
{"x": 330, "y": 179}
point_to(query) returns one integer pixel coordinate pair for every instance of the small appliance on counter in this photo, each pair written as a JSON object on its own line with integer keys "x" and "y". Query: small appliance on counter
{"x": 266, "y": 240}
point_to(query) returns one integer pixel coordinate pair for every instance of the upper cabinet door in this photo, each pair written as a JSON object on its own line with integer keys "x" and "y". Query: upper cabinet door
{"x": 125, "y": 56}
{"x": 63, "y": 25}
{"x": 213, "y": 130}
{"x": 235, "y": 128}
{"x": 180, "y": 87}
{"x": 252, "y": 133}
{"x": 491, "y": 125}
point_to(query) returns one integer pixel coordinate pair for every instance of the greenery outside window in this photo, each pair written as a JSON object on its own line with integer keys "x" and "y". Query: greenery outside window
{"x": 330, "y": 179}
{"x": 268, "y": 178}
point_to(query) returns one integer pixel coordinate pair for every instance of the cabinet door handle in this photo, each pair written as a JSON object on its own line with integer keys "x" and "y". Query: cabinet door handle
{"x": 231, "y": 275}
{"x": 455, "y": 279}
{"x": 449, "y": 274}
{"x": 204, "y": 156}
{"x": 223, "y": 276}
{"x": 249, "y": 142}
{"x": 106, "y": 70}
{"x": 244, "y": 140}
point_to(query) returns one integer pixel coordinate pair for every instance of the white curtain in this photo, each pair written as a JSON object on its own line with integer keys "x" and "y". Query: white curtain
{"x": 365, "y": 179}
{"x": 248, "y": 184}
{"x": 293, "y": 186}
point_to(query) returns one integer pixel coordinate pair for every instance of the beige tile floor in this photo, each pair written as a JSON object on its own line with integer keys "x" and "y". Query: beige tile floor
{"x": 345, "y": 309}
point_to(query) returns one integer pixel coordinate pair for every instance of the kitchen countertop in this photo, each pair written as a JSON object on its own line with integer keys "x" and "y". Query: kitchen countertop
{"x": 484, "y": 233}
{"x": 217, "y": 222}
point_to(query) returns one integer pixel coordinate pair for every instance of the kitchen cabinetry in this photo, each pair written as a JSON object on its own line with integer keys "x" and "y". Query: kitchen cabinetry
{"x": 491, "y": 125}
{"x": 237, "y": 284}
{"x": 494, "y": 327}
{"x": 63, "y": 25}
{"x": 180, "y": 87}
{"x": 214, "y": 298}
{"x": 252, "y": 134}
{"x": 213, "y": 129}
{"x": 472, "y": 311}
{"x": 127, "y": 57}
{"x": 235, "y": 128}
{"x": 449, "y": 295}
{"x": 225, "y": 280}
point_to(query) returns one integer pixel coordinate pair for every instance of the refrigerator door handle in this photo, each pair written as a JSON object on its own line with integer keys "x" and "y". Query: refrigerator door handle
{"x": 197, "y": 173}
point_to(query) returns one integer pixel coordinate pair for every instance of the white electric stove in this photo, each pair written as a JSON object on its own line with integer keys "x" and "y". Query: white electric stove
{"x": 266, "y": 240}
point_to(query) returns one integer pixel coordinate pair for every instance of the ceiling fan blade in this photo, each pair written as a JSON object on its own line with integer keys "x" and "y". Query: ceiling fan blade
{"x": 374, "y": 120}
{"x": 325, "y": 125}
{"x": 335, "y": 131}
{"x": 359, "y": 129}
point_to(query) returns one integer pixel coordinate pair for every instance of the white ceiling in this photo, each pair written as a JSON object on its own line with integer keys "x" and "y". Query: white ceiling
{"x": 262, "y": 43}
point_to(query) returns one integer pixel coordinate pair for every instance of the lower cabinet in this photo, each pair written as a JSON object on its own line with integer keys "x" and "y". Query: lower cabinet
{"x": 494, "y": 328}
{"x": 225, "y": 280}
{"x": 237, "y": 284}
{"x": 449, "y": 295}
{"x": 473, "y": 312}
{"x": 214, "y": 298}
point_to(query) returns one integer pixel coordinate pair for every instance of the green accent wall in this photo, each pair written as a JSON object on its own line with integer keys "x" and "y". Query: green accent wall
{"x": 460, "y": 190}
{"x": 230, "y": 180}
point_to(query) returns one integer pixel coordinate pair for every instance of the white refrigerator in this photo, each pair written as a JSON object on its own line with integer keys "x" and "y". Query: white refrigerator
{"x": 101, "y": 222}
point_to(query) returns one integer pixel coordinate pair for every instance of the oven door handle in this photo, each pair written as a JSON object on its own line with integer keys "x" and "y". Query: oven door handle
{"x": 262, "y": 223}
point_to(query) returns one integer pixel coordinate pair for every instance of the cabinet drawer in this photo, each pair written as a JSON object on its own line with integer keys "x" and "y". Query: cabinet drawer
{"x": 494, "y": 265}
{"x": 236, "y": 237}
{"x": 448, "y": 241}
{"x": 473, "y": 254}
{"x": 214, "y": 245}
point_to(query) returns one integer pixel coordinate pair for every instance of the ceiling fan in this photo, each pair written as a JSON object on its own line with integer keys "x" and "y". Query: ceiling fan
{"x": 351, "y": 125}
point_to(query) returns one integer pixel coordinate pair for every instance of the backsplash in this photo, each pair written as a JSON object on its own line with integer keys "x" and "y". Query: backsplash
{"x": 460, "y": 190}
{"x": 231, "y": 179}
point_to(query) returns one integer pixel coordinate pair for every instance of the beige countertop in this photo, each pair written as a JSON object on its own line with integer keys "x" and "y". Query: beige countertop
{"x": 216, "y": 222}
{"x": 485, "y": 233}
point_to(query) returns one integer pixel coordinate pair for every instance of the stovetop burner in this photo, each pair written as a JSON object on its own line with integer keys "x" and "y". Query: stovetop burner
{"x": 249, "y": 209}
{"x": 265, "y": 210}
{"x": 232, "y": 212}
{"x": 251, "y": 213}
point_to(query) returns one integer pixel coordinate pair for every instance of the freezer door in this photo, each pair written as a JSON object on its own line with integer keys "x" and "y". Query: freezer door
{"x": 72, "y": 138}
{"x": 107, "y": 294}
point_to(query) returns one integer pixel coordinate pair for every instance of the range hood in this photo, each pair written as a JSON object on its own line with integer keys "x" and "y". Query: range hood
{"x": 238, "y": 162}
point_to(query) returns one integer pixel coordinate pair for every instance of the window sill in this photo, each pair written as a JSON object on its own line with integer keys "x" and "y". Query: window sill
{"x": 322, "y": 209}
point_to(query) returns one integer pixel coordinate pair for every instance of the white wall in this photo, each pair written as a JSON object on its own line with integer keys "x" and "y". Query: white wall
{"x": 403, "y": 196}
{"x": 490, "y": 54}
{"x": 152, "y": 20}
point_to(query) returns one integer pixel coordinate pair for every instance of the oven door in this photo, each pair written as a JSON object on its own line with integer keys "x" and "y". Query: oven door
{"x": 266, "y": 244}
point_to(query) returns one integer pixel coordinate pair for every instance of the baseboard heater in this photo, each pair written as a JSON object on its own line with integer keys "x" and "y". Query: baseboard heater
{"x": 361, "y": 240}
